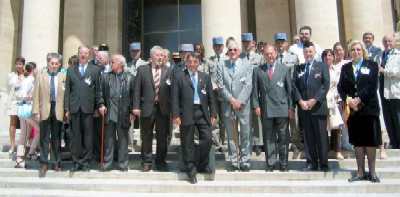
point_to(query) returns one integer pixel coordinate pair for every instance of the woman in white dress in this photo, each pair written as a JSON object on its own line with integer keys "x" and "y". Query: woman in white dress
{"x": 335, "y": 121}
{"x": 14, "y": 86}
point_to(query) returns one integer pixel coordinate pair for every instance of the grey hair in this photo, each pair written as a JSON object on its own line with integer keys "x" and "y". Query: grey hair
{"x": 120, "y": 58}
{"x": 54, "y": 55}
{"x": 104, "y": 54}
{"x": 155, "y": 49}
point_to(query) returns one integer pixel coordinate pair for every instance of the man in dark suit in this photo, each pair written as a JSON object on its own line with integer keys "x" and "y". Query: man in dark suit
{"x": 310, "y": 86}
{"x": 193, "y": 106}
{"x": 272, "y": 101}
{"x": 115, "y": 103}
{"x": 81, "y": 86}
{"x": 152, "y": 104}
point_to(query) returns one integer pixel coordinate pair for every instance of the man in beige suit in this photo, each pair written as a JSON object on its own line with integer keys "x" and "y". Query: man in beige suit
{"x": 48, "y": 108}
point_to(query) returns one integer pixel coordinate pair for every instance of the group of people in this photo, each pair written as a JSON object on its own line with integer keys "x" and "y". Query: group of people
{"x": 268, "y": 96}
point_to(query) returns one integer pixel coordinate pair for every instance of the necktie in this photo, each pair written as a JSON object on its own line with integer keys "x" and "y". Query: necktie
{"x": 232, "y": 68}
{"x": 52, "y": 89}
{"x": 82, "y": 70}
{"x": 384, "y": 58}
{"x": 270, "y": 72}
{"x": 307, "y": 72}
{"x": 196, "y": 98}
{"x": 248, "y": 56}
{"x": 157, "y": 82}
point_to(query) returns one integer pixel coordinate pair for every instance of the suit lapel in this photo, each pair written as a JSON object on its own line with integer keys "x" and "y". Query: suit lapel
{"x": 60, "y": 85}
{"x": 76, "y": 69}
{"x": 188, "y": 79}
{"x": 46, "y": 85}
{"x": 150, "y": 73}
{"x": 276, "y": 73}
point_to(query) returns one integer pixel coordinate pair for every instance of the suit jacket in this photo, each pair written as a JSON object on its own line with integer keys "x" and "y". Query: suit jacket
{"x": 365, "y": 86}
{"x": 182, "y": 97}
{"x": 144, "y": 95}
{"x": 316, "y": 87}
{"x": 41, "y": 96}
{"x": 80, "y": 92}
{"x": 274, "y": 96}
{"x": 237, "y": 84}
{"x": 125, "y": 106}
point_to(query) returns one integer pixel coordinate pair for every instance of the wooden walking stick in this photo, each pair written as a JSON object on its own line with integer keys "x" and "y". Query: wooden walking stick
{"x": 102, "y": 142}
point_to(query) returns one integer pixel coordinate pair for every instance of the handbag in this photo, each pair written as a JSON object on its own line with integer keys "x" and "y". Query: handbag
{"x": 24, "y": 110}
{"x": 335, "y": 119}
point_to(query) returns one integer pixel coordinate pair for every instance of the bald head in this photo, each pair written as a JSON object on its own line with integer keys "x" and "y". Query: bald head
{"x": 388, "y": 41}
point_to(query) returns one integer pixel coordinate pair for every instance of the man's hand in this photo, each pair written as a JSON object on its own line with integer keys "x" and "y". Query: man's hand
{"x": 303, "y": 105}
{"x": 177, "y": 121}
{"x": 257, "y": 111}
{"x": 381, "y": 69}
{"x": 291, "y": 114}
{"x": 311, "y": 103}
{"x": 136, "y": 112}
{"x": 66, "y": 116}
{"x": 213, "y": 121}
{"x": 103, "y": 110}
{"x": 236, "y": 104}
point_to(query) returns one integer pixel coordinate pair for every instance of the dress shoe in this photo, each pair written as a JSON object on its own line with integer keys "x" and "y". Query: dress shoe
{"x": 374, "y": 179}
{"x": 206, "y": 170}
{"x": 57, "y": 168}
{"x": 105, "y": 169}
{"x": 123, "y": 169}
{"x": 358, "y": 178}
{"x": 42, "y": 171}
{"x": 245, "y": 168}
{"x": 162, "y": 167}
{"x": 146, "y": 167}
{"x": 283, "y": 169}
{"x": 192, "y": 176}
{"x": 325, "y": 169}
{"x": 269, "y": 168}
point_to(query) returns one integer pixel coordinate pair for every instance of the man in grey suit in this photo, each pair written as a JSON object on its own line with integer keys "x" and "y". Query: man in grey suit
{"x": 374, "y": 52}
{"x": 310, "y": 86}
{"x": 236, "y": 84}
{"x": 271, "y": 99}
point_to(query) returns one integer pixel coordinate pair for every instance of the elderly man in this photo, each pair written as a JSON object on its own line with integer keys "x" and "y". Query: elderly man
{"x": 374, "y": 52}
{"x": 48, "y": 108}
{"x": 389, "y": 89}
{"x": 236, "y": 86}
{"x": 310, "y": 86}
{"x": 151, "y": 103}
{"x": 81, "y": 86}
{"x": 272, "y": 100}
{"x": 305, "y": 33}
{"x": 115, "y": 104}
{"x": 135, "y": 53}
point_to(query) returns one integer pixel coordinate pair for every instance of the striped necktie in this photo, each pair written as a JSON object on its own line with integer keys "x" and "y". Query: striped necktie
{"x": 157, "y": 78}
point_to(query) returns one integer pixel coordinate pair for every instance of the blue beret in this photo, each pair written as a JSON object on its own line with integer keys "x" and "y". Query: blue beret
{"x": 280, "y": 36}
{"x": 134, "y": 46}
{"x": 218, "y": 40}
{"x": 186, "y": 48}
{"x": 247, "y": 37}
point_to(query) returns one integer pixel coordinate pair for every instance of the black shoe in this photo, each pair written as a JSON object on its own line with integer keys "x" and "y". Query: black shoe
{"x": 42, "y": 171}
{"x": 162, "y": 167}
{"x": 245, "y": 168}
{"x": 325, "y": 169}
{"x": 105, "y": 169}
{"x": 357, "y": 178}
{"x": 283, "y": 169}
{"x": 206, "y": 170}
{"x": 124, "y": 169}
{"x": 374, "y": 179}
{"x": 269, "y": 168}
{"x": 232, "y": 168}
{"x": 75, "y": 168}
{"x": 192, "y": 176}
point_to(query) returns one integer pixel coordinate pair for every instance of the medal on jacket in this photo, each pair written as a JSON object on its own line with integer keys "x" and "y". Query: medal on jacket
{"x": 88, "y": 81}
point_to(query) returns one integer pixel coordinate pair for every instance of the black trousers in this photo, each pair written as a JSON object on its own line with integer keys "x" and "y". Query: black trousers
{"x": 50, "y": 130}
{"x": 187, "y": 141}
{"x": 276, "y": 140}
{"x": 82, "y": 138}
{"x": 162, "y": 126}
{"x": 391, "y": 115}
{"x": 316, "y": 137}
{"x": 115, "y": 136}
{"x": 220, "y": 111}
{"x": 97, "y": 121}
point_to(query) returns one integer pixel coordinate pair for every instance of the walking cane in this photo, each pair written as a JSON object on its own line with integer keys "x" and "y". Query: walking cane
{"x": 235, "y": 133}
{"x": 102, "y": 142}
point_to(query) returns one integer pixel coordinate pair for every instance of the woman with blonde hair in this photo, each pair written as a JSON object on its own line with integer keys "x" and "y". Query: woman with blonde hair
{"x": 357, "y": 87}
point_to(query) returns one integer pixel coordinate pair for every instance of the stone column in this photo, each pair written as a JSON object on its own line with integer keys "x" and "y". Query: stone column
{"x": 40, "y": 30}
{"x": 322, "y": 17}
{"x": 364, "y": 15}
{"x": 78, "y": 26}
{"x": 108, "y": 24}
{"x": 220, "y": 18}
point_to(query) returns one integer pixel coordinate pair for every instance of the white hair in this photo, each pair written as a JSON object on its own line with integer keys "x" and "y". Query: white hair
{"x": 155, "y": 49}
{"x": 120, "y": 58}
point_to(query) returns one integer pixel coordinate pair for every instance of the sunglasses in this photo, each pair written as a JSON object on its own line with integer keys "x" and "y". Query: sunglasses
{"x": 232, "y": 49}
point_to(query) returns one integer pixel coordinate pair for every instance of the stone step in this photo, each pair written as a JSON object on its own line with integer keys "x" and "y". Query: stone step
{"x": 22, "y": 192}
{"x": 160, "y": 186}
{"x": 220, "y": 175}
{"x": 221, "y": 164}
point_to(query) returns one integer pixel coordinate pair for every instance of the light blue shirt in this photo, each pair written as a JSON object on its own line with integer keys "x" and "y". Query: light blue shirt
{"x": 195, "y": 80}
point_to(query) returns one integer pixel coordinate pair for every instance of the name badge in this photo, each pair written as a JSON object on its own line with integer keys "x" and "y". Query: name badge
{"x": 88, "y": 81}
{"x": 365, "y": 71}
{"x": 203, "y": 91}
{"x": 300, "y": 74}
{"x": 280, "y": 84}
{"x": 168, "y": 82}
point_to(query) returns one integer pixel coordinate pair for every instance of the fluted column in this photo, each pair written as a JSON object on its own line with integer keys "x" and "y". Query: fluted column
{"x": 78, "y": 26}
{"x": 40, "y": 30}
{"x": 364, "y": 16}
{"x": 220, "y": 18}
{"x": 322, "y": 17}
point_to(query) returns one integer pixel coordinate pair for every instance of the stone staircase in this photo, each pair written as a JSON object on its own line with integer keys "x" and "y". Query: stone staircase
{"x": 257, "y": 182}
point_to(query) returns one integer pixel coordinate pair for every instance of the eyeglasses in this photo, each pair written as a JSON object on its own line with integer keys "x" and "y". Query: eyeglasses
{"x": 232, "y": 50}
